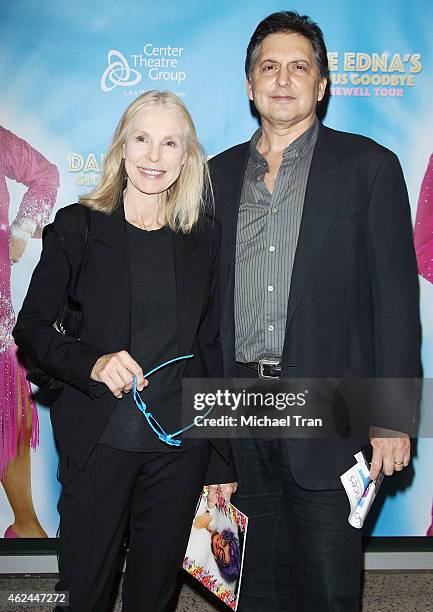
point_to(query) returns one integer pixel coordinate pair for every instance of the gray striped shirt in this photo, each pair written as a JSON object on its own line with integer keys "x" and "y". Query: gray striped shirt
{"x": 267, "y": 235}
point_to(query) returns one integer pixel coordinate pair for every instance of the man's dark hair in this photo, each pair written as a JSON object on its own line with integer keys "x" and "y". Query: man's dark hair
{"x": 288, "y": 22}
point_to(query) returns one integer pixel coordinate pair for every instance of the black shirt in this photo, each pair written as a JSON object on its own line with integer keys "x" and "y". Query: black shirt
{"x": 153, "y": 341}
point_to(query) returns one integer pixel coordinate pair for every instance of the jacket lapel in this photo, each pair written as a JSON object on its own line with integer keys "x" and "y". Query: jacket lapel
{"x": 110, "y": 255}
{"x": 321, "y": 198}
{"x": 191, "y": 259}
{"x": 228, "y": 197}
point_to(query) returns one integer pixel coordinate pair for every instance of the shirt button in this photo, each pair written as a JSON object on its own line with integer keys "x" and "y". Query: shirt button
{"x": 271, "y": 328}
{"x": 271, "y": 249}
{"x": 274, "y": 210}
{"x": 270, "y": 288}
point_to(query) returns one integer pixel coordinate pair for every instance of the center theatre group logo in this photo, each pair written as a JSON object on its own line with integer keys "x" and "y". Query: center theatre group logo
{"x": 159, "y": 63}
{"x": 118, "y": 72}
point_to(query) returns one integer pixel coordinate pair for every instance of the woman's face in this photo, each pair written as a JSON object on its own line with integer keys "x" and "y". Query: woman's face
{"x": 154, "y": 150}
{"x": 220, "y": 548}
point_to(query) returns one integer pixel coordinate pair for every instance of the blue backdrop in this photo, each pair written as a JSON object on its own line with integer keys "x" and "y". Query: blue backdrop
{"x": 70, "y": 69}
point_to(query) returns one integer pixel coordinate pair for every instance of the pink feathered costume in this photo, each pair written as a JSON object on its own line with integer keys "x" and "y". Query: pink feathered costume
{"x": 423, "y": 237}
{"x": 20, "y": 162}
{"x": 423, "y": 234}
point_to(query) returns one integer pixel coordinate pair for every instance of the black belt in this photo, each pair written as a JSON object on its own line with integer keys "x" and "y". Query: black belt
{"x": 265, "y": 368}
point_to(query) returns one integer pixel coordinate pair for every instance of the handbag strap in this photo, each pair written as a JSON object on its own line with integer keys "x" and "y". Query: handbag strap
{"x": 73, "y": 282}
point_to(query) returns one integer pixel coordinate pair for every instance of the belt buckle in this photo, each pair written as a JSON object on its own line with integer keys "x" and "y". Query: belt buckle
{"x": 267, "y": 362}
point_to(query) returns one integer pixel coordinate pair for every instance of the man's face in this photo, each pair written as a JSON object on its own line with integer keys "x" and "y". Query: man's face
{"x": 286, "y": 85}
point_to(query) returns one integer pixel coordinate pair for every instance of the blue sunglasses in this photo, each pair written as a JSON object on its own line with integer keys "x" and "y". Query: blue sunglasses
{"x": 153, "y": 423}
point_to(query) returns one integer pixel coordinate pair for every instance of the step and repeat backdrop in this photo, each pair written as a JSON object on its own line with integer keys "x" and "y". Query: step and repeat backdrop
{"x": 68, "y": 70}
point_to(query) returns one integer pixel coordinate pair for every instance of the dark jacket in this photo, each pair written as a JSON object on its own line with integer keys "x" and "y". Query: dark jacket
{"x": 83, "y": 409}
{"x": 353, "y": 303}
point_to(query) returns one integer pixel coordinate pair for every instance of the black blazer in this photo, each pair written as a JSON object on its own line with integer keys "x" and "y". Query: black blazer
{"x": 83, "y": 409}
{"x": 353, "y": 304}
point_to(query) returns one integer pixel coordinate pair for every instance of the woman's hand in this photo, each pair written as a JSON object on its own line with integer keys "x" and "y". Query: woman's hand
{"x": 16, "y": 248}
{"x": 116, "y": 371}
{"x": 226, "y": 490}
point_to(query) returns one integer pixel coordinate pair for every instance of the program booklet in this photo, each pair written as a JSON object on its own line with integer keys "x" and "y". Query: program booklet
{"x": 360, "y": 490}
{"x": 216, "y": 546}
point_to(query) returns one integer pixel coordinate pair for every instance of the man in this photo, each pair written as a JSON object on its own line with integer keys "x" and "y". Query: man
{"x": 318, "y": 279}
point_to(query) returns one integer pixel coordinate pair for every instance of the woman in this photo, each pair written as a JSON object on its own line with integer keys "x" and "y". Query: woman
{"x": 148, "y": 293}
{"x": 19, "y": 426}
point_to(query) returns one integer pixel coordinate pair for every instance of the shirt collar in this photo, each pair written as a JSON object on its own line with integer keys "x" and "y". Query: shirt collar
{"x": 299, "y": 147}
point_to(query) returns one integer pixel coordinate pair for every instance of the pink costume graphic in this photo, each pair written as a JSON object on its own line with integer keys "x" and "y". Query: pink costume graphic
{"x": 19, "y": 426}
{"x": 423, "y": 237}
{"x": 423, "y": 234}
{"x": 430, "y": 529}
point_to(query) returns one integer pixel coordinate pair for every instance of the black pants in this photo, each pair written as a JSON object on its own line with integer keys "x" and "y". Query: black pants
{"x": 156, "y": 493}
{"x": 301, "y": 553}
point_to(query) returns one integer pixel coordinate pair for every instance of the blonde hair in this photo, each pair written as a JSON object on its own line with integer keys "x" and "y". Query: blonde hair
{"x": 186, "y": 197}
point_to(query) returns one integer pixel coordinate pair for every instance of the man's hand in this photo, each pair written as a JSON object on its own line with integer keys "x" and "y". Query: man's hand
{"x": 17, "y": 247}
{"x": 117, "y": 370}
{"x": 391, "y": 451}
{"x": 226, "y": 490}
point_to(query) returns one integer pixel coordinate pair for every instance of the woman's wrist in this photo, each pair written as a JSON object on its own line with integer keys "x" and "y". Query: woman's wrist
{"x": 23, "y": 229}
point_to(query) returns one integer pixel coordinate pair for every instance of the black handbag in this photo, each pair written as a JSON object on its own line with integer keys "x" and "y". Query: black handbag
{"x": 70, "y": 317}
